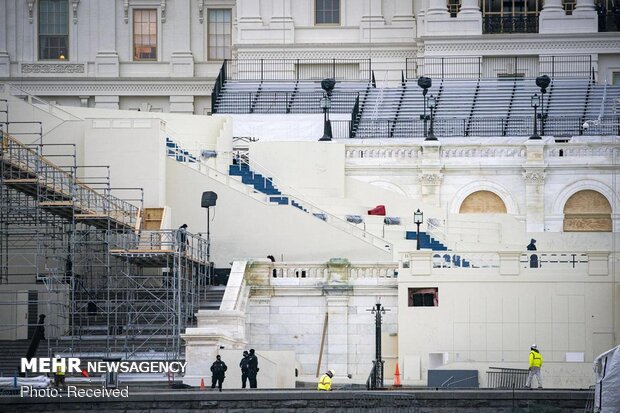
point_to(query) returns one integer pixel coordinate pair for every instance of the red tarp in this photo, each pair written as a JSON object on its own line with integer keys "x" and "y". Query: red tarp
{"x": 378, "y": 210}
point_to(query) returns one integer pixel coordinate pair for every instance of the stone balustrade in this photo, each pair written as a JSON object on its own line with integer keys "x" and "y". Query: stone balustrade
{"x": 547, "y": 263}
{"x": 264, "y": 272}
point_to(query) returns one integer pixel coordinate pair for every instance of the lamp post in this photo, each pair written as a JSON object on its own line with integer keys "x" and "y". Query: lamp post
{"x": 432, "y": 103}
{"x": 418, "y": 218}
{"x": 535, "y": 102}
{"x": 209, "y": 199}
{"x": 377, "y": 378}
{"x": 425, "y": 83}
{"x": 326, "y": 103}
{"x": 543, "y": 83}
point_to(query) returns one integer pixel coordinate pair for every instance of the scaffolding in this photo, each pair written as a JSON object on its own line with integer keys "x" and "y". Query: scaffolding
{"x": 107, "y": 286}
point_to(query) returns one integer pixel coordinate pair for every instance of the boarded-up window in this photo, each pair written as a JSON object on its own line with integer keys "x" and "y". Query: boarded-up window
{"x": 424, "y": 297}
{"x": 483, "y": 202}
{"x": 587, "y": 211}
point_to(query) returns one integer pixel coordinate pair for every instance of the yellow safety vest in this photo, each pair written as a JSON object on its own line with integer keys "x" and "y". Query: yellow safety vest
{"x": 536, "y": 359}
{"x": 325, "y": 383}
{"x": 60, "y": 371}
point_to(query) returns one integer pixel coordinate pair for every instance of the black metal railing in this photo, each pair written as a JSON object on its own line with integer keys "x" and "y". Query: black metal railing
{"x": 217, "y": 87}
{"x": 298, "y": 69}
{"x": 510, "y": 24}
{"x": 496, "y": 66}
{"x": 462, "y": 127}
{"x": 503, "y": 378}
{"x": 285, "y": 102}
{"x": 355, "y": 117}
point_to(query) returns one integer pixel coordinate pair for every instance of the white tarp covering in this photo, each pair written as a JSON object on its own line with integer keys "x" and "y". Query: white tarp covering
{"x": 292, "y": 127}
{"x": 607, "y": 391}
{"x": 38, "y": 382}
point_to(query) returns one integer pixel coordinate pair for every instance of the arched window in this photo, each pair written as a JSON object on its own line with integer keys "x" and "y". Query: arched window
{"x": 53, "y": 25}
{"x": 483, "y": 202}
{"x": 587, "y": 211}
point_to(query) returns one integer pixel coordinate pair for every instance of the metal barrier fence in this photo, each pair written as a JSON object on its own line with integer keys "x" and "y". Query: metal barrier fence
{"x": 460, "y": 127}
{"x": 503, "y": 378}
{"x": 494, "y": 66}
{"x": 298, "y": 69}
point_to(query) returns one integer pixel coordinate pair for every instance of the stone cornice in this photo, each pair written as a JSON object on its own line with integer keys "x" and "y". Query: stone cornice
{"x": 116, "y": 87}
{"x": 526, "y": 44}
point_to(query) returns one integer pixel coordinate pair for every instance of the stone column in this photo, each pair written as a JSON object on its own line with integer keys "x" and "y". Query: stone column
{"x": 535, "y": 199}
{"x": 337, "y": 344}
{"x": 584, "y": 6}
{"x": 106, "y": 60}
{"x": 469, "y": 7}
{"x": 438, "y": 8}
{"x": 430, "y": 175}
{"x": 403, "y": 12}
{"x": 181, "y": 59}
{"x": 553, "y": 6}
{"x": 107, "y": 102}
{"x": 553, "y": 18}
{"x": 182, "y": 104}
{"x": 5, "y": 69}
{"x": 281, "y": 21}
{"x": 248, "y": 11}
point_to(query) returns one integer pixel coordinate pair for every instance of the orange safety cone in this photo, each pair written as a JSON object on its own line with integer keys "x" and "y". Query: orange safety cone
{"x": 202, "y": 384}
{"x": 397, "y": 377}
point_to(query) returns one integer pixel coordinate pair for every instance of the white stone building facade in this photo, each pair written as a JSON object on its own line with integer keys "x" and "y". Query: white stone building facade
{"x": 164, "y": 55}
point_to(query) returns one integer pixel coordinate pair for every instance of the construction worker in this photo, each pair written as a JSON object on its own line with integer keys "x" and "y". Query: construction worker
{"x": 536, "y": 362}
{"x": 59, "y": 374}
{"x": 325, "y": 382}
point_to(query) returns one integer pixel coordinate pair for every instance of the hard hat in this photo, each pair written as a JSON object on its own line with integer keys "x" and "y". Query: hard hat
{"x": 533, "y": 346}
{"x": 57, "y": 356}
{"x": 332, "y": 372}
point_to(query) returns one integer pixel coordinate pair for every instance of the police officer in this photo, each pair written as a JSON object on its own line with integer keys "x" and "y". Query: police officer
{"x": 218, "y": 368}
{"x": 252, "y": 368}
{"x": 244, "y": 364}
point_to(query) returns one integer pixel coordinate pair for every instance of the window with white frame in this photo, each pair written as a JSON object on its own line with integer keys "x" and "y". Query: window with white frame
{"x": 53, "y": 21}
{"x": 327, "y": 11}
{"x": 145, "y": 34}
{"x": 220, "y": 34}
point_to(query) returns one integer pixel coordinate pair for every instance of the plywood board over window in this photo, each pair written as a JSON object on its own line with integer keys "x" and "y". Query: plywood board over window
{"x": 587, "y": 211}
{"x": 483, "y": 202}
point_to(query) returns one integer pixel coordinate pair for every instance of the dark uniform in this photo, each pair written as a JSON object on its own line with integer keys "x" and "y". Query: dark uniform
{"x": 244, "y": 365}
{"x": 252, "y": 368}
{"x": 218, "y": 368}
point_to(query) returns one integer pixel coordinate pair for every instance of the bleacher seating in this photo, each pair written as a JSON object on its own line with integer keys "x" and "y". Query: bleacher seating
{"x": 426, "y": 241}
{"x": 465, "y": 107}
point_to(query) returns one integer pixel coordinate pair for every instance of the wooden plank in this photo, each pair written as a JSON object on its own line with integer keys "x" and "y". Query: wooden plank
{"x": 55, "y": 203}
{"x": 20, "y": 181}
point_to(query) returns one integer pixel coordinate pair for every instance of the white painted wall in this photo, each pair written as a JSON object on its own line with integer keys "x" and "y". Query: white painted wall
{"x": 244, "y": 227}
{"x": 314, "y": 169}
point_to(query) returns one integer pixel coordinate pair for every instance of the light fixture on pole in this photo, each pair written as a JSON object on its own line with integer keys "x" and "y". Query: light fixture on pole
{"x": 432, "y": 104}
{"x": 418, "y": 218}
{"x": 326, "y": 103}
{"x": 543, "y": 83}
{"x": 425, "y": 83}
{"x": 209, "y": 199}
{"x": 377, "y": 377}
{"x": 535, "y": 102}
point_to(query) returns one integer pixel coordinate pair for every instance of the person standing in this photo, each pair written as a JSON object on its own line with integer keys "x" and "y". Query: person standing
{"x": 533, "y": 257}
{"x": 536, "y": 362}
{"x": 325, "y": 382}
{"x": 244, "y": 365}
{"x": 218, "y": 368}
{"x": 182, "y": 238}
{"x": 252, "y": 368}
